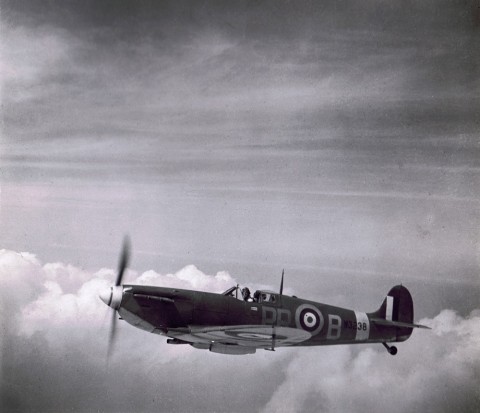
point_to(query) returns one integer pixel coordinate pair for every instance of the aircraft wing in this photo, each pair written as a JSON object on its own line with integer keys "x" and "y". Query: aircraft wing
{"x": 255, "y": 336}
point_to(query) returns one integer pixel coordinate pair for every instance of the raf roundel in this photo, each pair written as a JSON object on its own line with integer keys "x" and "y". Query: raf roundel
{"x": 309, "y": 318}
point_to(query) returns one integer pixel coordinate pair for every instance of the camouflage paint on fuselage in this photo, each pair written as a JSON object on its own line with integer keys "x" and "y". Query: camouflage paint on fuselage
{"x": 158, "y": 310}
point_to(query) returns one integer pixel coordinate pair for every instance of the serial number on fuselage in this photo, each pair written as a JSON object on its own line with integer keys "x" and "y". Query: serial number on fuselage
{"x": 354, "y": 325}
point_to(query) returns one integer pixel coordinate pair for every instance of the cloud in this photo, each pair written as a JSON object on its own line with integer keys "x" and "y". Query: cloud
{"x": 189, "y": 277}
{"x": 306, "y": 135}
{"x": 145, "y": 78}
{"x": 436, "y": 371}
{"x": 53, "y": 354}
{"x": 21, "y": 282}
{"x": 69, "y": 301}
{"x": 31, "y": 57}
{"x": 53, "y": 357}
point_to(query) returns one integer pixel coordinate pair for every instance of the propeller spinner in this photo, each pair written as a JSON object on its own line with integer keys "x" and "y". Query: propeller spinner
{"x": 113, "y": 296}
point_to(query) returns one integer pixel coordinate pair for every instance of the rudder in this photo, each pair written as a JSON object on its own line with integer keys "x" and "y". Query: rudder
{"x": 397, "y": 307}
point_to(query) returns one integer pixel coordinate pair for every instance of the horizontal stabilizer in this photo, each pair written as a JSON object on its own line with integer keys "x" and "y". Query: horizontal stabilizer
{"x": 389, "y": 323}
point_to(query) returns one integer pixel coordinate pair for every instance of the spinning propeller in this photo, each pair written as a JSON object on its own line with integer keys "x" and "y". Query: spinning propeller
{"x": 113, "y": 296}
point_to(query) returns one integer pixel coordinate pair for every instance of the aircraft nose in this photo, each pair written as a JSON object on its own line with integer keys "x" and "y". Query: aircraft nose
{"x": 106, "y": 296}
{"x": 112, "y": 296}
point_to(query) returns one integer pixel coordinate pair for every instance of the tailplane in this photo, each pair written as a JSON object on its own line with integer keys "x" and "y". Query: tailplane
{"x": 396, "y": 311}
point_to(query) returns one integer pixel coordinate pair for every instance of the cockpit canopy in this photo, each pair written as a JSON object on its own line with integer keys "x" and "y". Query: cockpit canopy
{"x": 265, "y": 296}
{"x": 234, "y": 291}
{"x": 243, "y": 294}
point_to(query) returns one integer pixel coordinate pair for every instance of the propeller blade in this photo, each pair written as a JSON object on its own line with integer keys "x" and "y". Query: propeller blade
{"x": 281, "y": 283}
{"x": 124, "y": 258}
{"x": 122, "y": 265}
{"x": 111, "y": 338}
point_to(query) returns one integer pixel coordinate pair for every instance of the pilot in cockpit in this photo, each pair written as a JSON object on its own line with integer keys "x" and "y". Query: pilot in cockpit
{"x": 246, "y": 294}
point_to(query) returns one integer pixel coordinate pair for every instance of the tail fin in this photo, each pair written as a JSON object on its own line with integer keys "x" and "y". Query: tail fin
{"x": 396, "y": 311}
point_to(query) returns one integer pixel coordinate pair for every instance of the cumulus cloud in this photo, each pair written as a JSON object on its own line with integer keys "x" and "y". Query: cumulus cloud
{"x": 58, "y": 297}
{"x": 436, "y": 371}
{"x": 53, "y": 354}
{"x": 53, "y": 357}
{"x": 19, "y": 276}
{"x": 188, "y": 277}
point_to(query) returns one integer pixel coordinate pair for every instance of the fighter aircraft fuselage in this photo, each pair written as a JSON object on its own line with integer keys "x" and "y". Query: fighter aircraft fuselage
{"x": 174, "y": 312}
{"x": 235, "y": 322}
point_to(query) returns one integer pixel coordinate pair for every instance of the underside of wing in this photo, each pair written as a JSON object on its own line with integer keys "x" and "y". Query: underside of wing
{"x": 245, "y": 336}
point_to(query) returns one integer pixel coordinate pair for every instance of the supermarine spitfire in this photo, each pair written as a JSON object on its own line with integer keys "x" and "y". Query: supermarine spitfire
{"x": 234, "y": 322}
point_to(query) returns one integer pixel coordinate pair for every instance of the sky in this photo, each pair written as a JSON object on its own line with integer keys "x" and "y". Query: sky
{"x": 337, "y": 140}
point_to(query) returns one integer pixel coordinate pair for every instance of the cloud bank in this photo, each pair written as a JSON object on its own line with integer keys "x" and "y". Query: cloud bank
{"x": 55, "y": 333}
{"x": 437, "y": 372}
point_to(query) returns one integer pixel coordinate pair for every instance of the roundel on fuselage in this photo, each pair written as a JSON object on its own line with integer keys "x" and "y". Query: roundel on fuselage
{"x": 309, "y": 318}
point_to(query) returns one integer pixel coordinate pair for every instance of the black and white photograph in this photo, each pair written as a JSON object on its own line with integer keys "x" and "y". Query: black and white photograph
{"x": 239, "y": 206}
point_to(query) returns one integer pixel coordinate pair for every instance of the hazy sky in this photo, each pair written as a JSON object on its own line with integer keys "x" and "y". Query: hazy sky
{"x": 338, "y": 140}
